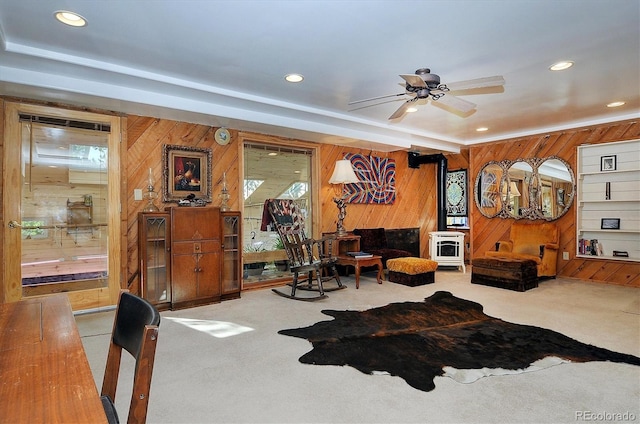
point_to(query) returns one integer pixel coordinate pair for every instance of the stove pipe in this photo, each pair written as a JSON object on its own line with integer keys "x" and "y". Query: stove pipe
{"x": 415, "y": 160}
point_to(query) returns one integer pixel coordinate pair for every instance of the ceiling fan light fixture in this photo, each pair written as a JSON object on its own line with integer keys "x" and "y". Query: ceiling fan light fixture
{"x": 615, "y": 104}
{"x": 294, "y": 78}
{"x": 561, "y": 66}
{"x": 70, "y": 18}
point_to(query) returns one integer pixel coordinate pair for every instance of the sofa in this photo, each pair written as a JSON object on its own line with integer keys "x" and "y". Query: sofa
{"x": 374, "y": 241}
{"x": 536, "y": 241}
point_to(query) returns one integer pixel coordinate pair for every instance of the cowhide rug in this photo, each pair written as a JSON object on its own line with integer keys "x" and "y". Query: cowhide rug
{"x": 421, "y": 340}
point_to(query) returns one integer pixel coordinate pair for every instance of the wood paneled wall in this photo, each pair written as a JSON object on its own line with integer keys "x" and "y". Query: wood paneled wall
{"x": 416, "y": 196}
{"x": 415, "y": 204}
{"x": 485, "y": 231}
{"x": 145, "y": 138}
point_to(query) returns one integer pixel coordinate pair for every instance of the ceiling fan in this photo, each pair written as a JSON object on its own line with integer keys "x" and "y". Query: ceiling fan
{"x": 425, "y": 85}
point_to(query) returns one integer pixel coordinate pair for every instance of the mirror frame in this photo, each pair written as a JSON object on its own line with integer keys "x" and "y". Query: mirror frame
{"x": 534, "y": 211}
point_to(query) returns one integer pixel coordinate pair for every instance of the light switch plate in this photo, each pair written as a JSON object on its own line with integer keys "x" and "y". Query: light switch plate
{"x": 565, "y": 256}
{"x": 137, "y": 194}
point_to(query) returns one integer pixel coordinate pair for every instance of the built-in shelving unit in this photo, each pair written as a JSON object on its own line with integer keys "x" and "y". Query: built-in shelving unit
{"x": 608, "y": 194}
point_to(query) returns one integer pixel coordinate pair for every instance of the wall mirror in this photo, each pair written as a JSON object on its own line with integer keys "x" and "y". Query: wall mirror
{"x": 533, "y": 188}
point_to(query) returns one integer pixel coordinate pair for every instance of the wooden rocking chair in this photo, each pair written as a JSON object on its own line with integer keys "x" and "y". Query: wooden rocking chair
{"x": 313, "y": 259}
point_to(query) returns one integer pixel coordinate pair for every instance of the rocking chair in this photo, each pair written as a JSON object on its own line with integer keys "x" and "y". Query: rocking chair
{"x": 311, "y": 258}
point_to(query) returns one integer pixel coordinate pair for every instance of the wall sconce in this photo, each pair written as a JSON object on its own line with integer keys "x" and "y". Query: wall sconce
{"x": 342, "y": 174}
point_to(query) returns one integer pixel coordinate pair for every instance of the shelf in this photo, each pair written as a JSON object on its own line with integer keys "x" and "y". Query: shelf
{"x": 609, "y": 201}
{"x": 598, "y": 230}
{"x": 618, "y": 171}
{"x": 608, "y": 258}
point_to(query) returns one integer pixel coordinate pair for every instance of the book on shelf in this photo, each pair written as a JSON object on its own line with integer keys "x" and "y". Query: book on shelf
{"x": 360, "y": 254}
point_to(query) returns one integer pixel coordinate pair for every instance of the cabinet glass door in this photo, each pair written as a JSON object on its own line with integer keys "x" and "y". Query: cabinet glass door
{"x": 231, "y": 254}
{"x": 154, "y": 255}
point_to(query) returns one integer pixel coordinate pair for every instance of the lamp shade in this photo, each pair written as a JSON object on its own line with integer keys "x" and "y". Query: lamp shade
{"x": 514, "y": 189}
{"x": 343, "y": 173}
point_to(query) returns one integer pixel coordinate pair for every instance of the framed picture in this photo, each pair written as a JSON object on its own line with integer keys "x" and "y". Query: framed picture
{"x": 610, "y": 224}
{"x": 457, "y": 193}
{"x": 186, "y": 171}
{"x": 608, "y": 163}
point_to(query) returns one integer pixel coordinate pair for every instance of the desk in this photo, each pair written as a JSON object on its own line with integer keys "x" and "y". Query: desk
{"x": 359, "y": 262}
{"x": 44, "y": 372}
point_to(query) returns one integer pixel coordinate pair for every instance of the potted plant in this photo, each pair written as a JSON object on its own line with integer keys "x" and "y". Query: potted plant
{"x": 281, "y": 265}
{"x": 253, "y": 268}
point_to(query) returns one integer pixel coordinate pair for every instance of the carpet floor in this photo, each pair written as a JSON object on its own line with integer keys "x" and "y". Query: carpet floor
{"x": 226, "y": 363}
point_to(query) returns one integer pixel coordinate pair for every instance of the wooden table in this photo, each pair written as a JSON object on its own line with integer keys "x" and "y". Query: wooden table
{"x": 44, "y": 372}
{"x": 360, "y": 262}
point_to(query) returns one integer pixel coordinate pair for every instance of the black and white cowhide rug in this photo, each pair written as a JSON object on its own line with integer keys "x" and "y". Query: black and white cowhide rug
{"x": 443, "y": 335}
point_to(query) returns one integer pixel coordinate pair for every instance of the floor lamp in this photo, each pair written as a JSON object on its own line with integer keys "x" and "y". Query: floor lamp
{"x": 342, "y": 174}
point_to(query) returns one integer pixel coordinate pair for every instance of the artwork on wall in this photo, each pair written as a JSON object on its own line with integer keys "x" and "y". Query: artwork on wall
{"x": 457, "y": 193}
{"x": 186, "y": 171}
{"x": 377, "y": 180}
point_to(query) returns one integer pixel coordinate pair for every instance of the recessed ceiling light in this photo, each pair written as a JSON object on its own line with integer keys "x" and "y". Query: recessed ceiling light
{"x": 615, "y": 104}
{"x": 293, "y": 77}
{"x": 70, "y": 18}
{"x": 412, "y": 109}
{"x": 561, "y": 66}
{"x": 481, "y": 129}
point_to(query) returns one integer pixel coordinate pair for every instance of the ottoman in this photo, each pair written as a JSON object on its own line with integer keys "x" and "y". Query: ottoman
{"x": 412, "y": 271}
{"x": 505, "y": 273}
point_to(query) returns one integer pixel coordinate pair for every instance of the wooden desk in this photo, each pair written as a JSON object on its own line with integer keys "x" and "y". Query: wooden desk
{"x": 360, "y": 262}
{"x": 44, "y": 372}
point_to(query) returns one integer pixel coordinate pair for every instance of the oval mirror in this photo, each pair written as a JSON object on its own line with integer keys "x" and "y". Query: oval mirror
{"x": 487, "y": 189}
{"x": 556, "y": 187}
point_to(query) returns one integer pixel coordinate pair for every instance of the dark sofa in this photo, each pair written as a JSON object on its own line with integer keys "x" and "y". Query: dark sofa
{"x": 374, "y": 240}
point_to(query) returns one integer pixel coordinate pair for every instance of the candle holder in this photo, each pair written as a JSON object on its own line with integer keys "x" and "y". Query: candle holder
{"x": 150, "y": 195}
{"x": 224, "y": 194}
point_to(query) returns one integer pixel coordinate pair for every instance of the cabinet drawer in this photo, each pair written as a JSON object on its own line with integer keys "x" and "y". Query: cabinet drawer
{"x": 194, "y": 247}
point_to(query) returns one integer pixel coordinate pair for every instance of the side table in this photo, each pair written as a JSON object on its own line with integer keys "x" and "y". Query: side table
{"x": 360, "y": 262}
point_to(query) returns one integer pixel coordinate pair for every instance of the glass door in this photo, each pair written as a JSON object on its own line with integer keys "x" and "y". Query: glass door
{"x": 63, "y": 232}
{"x": 64, "y": 210}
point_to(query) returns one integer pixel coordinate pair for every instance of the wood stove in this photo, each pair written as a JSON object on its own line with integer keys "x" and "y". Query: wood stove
{"x": 447, "y": 248}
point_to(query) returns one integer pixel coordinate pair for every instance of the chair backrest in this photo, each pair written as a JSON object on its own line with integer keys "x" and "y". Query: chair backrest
{"x": 135, "y": 329}
{"x": 288, "y": 220}
{"x": 527, "y": 237}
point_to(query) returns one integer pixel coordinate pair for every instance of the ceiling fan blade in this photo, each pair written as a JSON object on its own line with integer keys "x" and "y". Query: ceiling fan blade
{"x": 414, "y": 80}
{"x": 402, "y": 109}
{"x": 456, "y": 103}
{"x": 376, "y": 98}
{"x": 476, "y": 83}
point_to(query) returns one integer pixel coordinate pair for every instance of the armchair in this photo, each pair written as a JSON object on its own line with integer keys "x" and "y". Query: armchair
{"x": 538, "y": 242}
{"x": 374, "y": 241}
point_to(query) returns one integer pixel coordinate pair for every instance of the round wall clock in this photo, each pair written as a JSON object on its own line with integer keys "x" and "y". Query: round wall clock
{"x": 222, "y": 136}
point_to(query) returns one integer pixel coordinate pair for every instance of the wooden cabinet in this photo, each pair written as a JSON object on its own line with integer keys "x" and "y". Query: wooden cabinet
{"x": 196, "y": 253}
{"x": 189, "y": 256}
{"x": 155, "y": 258}
{"x": 608, "y": 225}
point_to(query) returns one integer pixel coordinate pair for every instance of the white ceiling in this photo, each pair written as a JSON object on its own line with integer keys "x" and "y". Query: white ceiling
{"x": 222, "y": 63}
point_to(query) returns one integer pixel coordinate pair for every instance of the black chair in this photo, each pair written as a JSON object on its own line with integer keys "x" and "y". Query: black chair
{"x": 135, "y": 329}
{"x": 312, "y": 259}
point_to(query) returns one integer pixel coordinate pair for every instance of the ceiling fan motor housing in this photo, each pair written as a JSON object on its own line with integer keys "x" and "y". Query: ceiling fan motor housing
{"x": 431, "y": 80}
